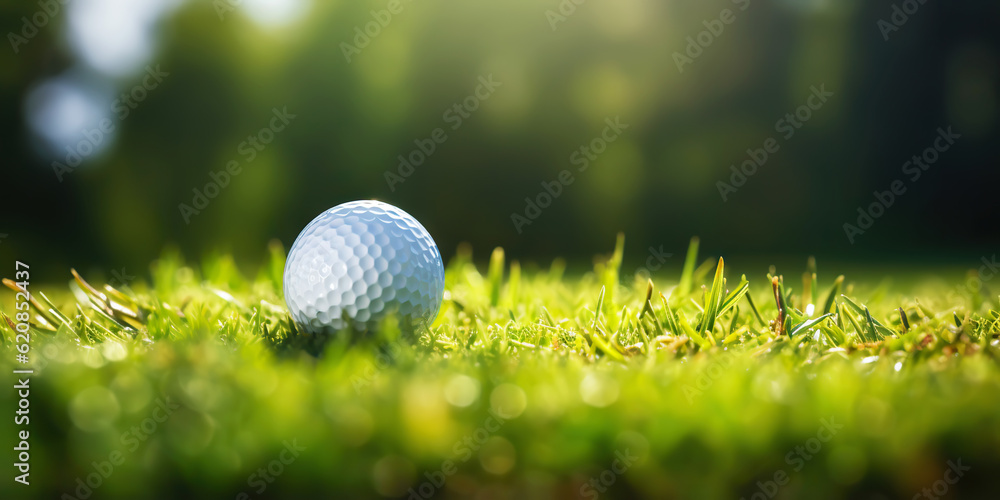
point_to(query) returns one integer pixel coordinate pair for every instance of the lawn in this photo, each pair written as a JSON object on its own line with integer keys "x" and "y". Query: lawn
{"x": 533, "y": 382}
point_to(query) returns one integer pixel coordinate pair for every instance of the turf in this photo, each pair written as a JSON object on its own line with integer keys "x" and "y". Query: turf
{"x": 530, "y": 384}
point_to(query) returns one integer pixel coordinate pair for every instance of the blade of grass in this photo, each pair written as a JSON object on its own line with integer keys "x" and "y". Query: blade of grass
{"x": 43, "y": 315}
{"x": 713, "y": 299}
{"x": 702, "y": 270}
{"x": 610, "y": 276}
{"x": 669, "y": 319}
{"x": 736, "y": 315}
{"x": 496, "y": 275}
{"x": 904, "y": 323}
{"x": 807, "y": 324}
{"x": 880, "y": 329}
{"x": 600, "y": 306}
{"x": 871, "y": 325}
{"x": 857, "y": 328}
{"x": 756, "y": 313}
{"x": 834, "y": 291}
{"x": 598, "y": 340}
{"x": 807, "y": 291}
{"x": 811, "y": 269}
{"x": 647, "y": 308}
{"x": 779, "y": 324}
{"x": 696, "y": 337}
{"x": 54, "y": 311}
{"x": 687, "y": 274}
{"x": 514, "y": 282}
{"x": 734, "y": 296}
{"x": 834, "y": 333}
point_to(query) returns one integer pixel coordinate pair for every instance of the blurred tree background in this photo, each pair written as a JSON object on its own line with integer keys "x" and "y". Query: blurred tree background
{"x": 563, "y": 70}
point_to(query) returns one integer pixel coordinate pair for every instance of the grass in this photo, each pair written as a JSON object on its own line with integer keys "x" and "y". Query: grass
{"x": 530, "y": 384}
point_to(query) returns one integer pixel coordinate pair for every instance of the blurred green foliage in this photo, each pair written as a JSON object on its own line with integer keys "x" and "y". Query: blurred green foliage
{"x": 559, "y": 83}
{"x": 215, "y": 385}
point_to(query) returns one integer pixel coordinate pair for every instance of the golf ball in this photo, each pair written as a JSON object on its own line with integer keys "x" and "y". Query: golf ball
{"x": 358, "y": 262}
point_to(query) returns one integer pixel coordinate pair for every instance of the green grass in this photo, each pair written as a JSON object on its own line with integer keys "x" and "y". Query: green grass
{"x": 713, "y": 384}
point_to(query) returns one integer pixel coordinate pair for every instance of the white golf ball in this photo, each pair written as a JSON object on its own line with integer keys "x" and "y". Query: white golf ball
{"x": 357, "y": 263}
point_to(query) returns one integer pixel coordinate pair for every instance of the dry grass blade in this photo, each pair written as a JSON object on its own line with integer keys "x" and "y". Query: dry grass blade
{"x": 131, "y": 318}
{"x": 45, "y": 321}
{"x": 10, "y": 323}
{"x": 778, "y": 325}
{"x": 86, "y": 286}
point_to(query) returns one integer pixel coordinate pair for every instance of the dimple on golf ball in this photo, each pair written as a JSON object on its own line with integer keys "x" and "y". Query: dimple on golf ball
{"x": 358, "y": 262}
